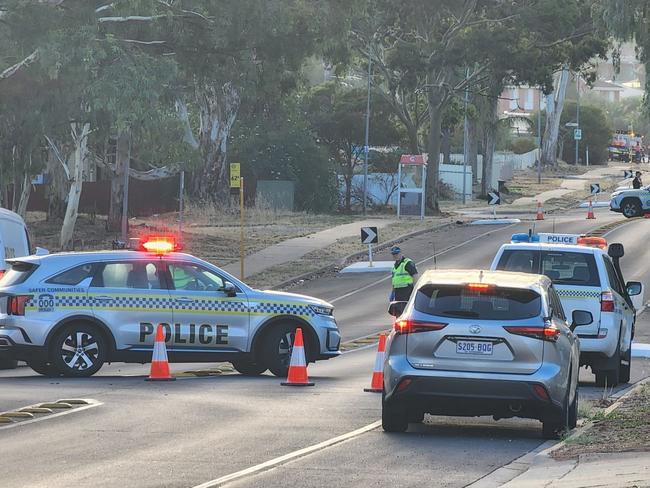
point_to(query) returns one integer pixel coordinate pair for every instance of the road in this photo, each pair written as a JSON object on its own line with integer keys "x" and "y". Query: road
{"x": 194, "y": 430}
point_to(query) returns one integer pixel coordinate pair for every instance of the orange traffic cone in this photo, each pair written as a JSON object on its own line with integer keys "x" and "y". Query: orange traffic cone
{"x": 540, "y": 211}
{"x": 590, "y": 212}
{"x": 377, "y": 383}
{"x": 159, "y": 362}
{"x": 298, "y": 366}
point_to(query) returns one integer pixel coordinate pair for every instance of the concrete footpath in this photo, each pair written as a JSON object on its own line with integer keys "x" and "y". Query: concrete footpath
{"x": 293, "y": 249}
{"x": 612, "y": 470}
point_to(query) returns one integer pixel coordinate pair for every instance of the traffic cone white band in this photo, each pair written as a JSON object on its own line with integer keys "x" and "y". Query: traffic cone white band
{"x": 379, "y": 361}
{"x": 298, "y": 356}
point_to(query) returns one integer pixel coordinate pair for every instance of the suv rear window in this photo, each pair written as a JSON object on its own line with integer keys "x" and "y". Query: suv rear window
{"x": 562, "y": 267}
{"x": 459, "y": 301}
{"x": 18, "y": 273}
{"x": 73, "y": 276}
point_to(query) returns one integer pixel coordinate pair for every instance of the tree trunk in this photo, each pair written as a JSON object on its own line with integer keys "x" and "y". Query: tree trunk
{"x": 435, "y": 103}
{"x": 414, "y": 141}
{"x": 56, "y": 189}
{"x": 122, "y": 155}
{"x": 490, "y": 133}
{"x": 554, "y": 107}
{"x": 25, "y": 191}
{"x": 472, "y": 150}
{"x": 219, "y": 107}
{"x": 446, "y": 145}
{"x": 76, "y": 167}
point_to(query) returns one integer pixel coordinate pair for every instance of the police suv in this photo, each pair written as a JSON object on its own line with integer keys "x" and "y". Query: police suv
{"x": 588, "y": 278}
{"x": 69, "y": 313}
{"x": 631, "y": 202}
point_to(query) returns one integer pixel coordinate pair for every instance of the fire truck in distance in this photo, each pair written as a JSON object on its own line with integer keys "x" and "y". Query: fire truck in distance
{"x": 627, "y": 146}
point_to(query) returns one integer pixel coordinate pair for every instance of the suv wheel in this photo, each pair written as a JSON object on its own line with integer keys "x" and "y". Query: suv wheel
{"x": 248, "y": 367}
{"x": 394, "y": 417}
{"x": 573, "y": 412}
{"x": 6, "y": 363}
{"x": 44, "y": 368}
{"x": 631, "y": 207}
{"x": 78, "y": 350}
{"x": 277, "y": 347}
{"x": 624, "y": 370}
{"x": 554, "y": 427}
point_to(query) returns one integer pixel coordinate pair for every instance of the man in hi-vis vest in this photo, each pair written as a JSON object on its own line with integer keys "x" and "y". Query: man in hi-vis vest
{"x": 404, "y": 273}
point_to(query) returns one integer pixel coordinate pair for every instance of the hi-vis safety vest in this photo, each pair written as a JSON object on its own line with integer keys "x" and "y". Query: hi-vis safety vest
{"x": 401, "y": 277}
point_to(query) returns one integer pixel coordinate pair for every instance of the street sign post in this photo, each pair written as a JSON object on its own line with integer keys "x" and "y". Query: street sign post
{"x": 495, "y": 199}
{"x": 370, "y": 236}
{"x": 577, "y": 134}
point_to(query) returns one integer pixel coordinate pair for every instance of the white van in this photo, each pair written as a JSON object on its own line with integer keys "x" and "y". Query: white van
{"x": 14, "y": 243}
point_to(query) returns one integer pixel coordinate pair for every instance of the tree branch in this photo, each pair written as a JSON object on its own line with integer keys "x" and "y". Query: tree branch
{"x": 131, "y": 18}
{"x": 188, "y": 137}
{"x": 12, "y": 70}
{"x": 57, "y": 153}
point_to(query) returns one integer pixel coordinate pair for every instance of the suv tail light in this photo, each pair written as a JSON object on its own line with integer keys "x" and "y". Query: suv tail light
{"x": 410, "y": 326}
{"x": 607, "y": 301}
{"x": 16, "y": 304}
{"x": 545, "y": 332}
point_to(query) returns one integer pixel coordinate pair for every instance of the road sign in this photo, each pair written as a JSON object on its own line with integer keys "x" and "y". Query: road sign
{"x": 495, "y": 198}
{"x": 235, "y": 175}
{"x": 571, "y": 124}
{"x": 577, "y": 134}
{"x": 628, "y": 174}
{"x": 595, "y": 188}
{"x": 369, "y": 235}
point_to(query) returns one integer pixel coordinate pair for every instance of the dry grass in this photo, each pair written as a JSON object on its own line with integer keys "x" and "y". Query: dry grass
{"x": 626, "y": 429}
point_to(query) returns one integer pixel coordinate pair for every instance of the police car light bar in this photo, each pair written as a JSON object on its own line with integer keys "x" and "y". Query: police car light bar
{"x": 569, "y": 239}
{"x": 160, "y": 244}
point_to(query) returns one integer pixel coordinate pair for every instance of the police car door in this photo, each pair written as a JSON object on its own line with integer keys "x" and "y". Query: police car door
{"x": 131, "y": 299}
{"x": 206, "y": 319}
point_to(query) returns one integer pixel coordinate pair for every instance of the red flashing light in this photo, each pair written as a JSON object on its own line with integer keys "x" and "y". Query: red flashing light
{"x": 160, "y": 244}
{"x": 599, "y": 242}
{"x": 16, "y": 304}
{"x": 410, "y": 326}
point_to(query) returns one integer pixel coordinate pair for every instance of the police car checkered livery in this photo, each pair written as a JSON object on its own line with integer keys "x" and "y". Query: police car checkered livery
{"x": 68, "y": 313}
{"x": 586, "y": 277}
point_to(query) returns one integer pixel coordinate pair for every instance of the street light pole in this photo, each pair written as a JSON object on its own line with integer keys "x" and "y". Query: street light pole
{"x": 366, "y": 148}
{"x": 539, "y": 137}
{"x": 465, "y": 142}
{"x": 577, "y": 141}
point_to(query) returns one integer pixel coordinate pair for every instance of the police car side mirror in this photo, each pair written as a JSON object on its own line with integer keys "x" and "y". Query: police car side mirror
{"x": 634, "y": 288}
{"x": 396, "y": 308}
{"x": 229, "y": 289}
{"x": 616, "y": 250}
{"x": 581, "y": 317}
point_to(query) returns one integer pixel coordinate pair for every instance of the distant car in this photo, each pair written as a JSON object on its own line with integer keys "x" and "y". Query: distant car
{"x": 586, "y": 277}
{"x": 631, "y": 202}
{"x": 472, "y": 343}
{"x": 69, "y": 313}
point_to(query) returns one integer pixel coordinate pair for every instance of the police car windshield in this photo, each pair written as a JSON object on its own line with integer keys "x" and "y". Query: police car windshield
{"x": 462, "y": 302}
{"x": 562, "y": 267}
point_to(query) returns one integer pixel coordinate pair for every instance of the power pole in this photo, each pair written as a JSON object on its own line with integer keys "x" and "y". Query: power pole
{"x": 539, "y": 137}
{"x": 577, "y": 141}
{"x": 465, "y": 141}
{"x": 366, "y": 148}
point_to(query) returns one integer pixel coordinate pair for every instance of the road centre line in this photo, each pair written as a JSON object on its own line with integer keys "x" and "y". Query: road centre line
{"x": 452, "y": 248}
{"x": 253, "y": 470}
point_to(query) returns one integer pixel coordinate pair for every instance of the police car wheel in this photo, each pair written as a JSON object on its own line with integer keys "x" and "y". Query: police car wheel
{"x": 248, "y": 368}
{"x": 631, "y": 207}
{"x": 78, "y": 350}
{"x": 278, "y": 345}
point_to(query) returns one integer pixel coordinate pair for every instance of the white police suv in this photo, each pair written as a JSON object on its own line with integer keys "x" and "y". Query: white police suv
{"x": 631, "y": 202}
{"x": 588, "y": 278}
{"x": 69, "y": 313}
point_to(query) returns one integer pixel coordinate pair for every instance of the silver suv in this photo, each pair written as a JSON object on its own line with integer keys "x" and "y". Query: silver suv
{"x": 473, "y": 343}
{"x": 70, "y": 313}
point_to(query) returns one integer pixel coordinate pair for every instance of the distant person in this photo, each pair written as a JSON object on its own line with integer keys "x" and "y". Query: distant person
{"x": 636, "y": 182}
{"x": 404, "y": 273}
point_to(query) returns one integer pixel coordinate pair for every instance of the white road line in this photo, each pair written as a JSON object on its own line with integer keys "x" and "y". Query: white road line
{"x": 253, "y": 470}
{"x": 445, "y": 251}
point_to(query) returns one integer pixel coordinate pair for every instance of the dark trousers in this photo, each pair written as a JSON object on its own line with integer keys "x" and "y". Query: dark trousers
{"x": 403, "y": 294}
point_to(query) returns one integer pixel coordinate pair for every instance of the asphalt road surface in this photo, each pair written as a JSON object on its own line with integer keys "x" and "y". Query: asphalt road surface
{"x": 196, "y": 430}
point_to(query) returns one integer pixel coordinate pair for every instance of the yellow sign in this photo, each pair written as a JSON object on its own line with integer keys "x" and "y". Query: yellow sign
{"x": 235, "y": 175}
